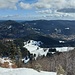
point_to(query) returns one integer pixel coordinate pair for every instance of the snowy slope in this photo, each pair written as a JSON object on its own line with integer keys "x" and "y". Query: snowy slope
{"x": 7, "y": 60}
{"x": 33, "y": 47}
{"x": 23, "y": 71}
{"x": 64, "y": 49}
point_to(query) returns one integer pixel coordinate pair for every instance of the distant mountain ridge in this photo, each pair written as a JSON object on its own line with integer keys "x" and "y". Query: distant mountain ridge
{"x": 65, "y": 27}
{"x": 48, "y": 31}
{"x": 13, "y": 29}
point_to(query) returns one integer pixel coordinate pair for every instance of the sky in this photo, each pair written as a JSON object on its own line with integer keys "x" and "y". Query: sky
{"x": 37, "y": 9}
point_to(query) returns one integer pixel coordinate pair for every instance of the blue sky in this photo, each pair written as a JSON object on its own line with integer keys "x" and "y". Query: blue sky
{"x": 37, "y": 9}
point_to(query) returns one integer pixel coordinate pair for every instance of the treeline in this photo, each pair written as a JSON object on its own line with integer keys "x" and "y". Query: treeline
{"x": 11, "y": 48}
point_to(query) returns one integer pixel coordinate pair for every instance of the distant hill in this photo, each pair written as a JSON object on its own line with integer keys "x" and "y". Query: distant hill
{"x": 16, "y": 29}
{"x": 13, "y": 29}
{"x": 65, "y": 27}
{"x": 48, "y": 31}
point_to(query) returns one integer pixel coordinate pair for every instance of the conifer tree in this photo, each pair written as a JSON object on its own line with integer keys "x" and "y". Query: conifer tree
{"x": 19, "y": 61}
{"x": 13, "y": 51}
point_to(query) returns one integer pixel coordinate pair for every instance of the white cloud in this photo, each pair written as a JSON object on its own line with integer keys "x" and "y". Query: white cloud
{"x": 49, "y": 4}
{"x": 47, "y": 8}
{"x": 71, "y": 4}
{"x": 46, "y": 14}
{"x": 11, "y": 4}
{"x": 25, "y": 5}
{"x": 40, "y": 5}
{"x": 44, "y": 11}
{"x": 56, "y": 4}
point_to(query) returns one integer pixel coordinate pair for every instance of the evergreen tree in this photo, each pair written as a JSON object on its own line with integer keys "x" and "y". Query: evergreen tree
{"x": 15, "y": 54}
{"x": 19, "y": 57}
{"x": 13, "y": 51}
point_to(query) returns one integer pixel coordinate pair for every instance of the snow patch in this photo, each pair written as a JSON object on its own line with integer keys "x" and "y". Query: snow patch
{"x": 64, "y": 49}
{"x": 10, "y": 27}
{"x": 2, "y": 60}
{"x": 23, "y": 71}
{"x": 26, "y": 60}
{"x": 33, "y": 47}
{"x": 61, "y": 41}
{"x": 67, "y": 28}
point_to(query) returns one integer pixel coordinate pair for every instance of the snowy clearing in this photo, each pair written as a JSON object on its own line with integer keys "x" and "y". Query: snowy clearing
{"x": 33, "y": 47}
{"x": 23, "y": 71}
{"x": 64, "y": 49}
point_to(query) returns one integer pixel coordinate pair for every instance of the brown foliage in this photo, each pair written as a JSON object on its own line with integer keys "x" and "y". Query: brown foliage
{"x": 65, "y": 59}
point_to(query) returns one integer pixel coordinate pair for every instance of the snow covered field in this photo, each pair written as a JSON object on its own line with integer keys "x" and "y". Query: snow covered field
{"x": 64, "y": 49}
{"x": 23, "y": 71}
{"x": 33, "y": 48}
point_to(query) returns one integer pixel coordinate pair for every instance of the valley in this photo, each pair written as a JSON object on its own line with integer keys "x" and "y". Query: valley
{"x": 40, "y": 43}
